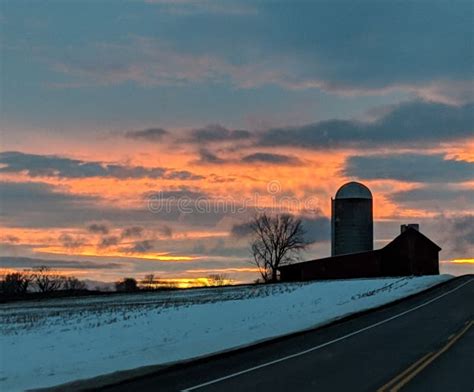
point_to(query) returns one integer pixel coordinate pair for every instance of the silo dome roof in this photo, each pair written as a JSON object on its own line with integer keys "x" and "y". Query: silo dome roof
{"x": 353, "y": 190}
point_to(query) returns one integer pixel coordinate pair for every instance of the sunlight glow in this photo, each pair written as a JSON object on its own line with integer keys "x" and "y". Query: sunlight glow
{"x": 186, "y": 283}
{"x": 463, "y": 261}
{"x": 94, "y": 253}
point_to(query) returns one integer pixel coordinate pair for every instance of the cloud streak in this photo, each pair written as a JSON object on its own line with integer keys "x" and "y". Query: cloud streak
{"x": 463, "y": 234}
{"x": 28, "y": 262}
{"x": 207, "y": 157}
{"x": 97, "y": 228}
{"x": 435, "y": 197}
{"x": 434, "y": 168}
{"x": 217, "y": 133}
{"x": 292, "y": 48}
{"x": 412, "y": 123}
{"x": 61, "y": 167}
{"x": 271, "y": 159}
{"x": 150, "y": 134}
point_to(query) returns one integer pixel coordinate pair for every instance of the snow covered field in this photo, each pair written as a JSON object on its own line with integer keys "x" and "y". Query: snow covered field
{"x": 45, "y": 343}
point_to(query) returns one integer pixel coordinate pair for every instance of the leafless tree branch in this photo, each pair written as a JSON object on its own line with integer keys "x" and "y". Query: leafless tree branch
{"x": 277, "y": 240}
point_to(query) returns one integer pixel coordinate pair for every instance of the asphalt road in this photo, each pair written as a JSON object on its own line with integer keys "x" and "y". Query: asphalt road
{"x": 424, "y": 343}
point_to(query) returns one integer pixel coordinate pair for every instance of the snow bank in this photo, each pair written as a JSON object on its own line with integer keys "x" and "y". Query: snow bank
{"x": 45, "y": 343}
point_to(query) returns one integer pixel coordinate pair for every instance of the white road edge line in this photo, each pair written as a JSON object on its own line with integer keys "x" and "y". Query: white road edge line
{"x": 324, "y": 344}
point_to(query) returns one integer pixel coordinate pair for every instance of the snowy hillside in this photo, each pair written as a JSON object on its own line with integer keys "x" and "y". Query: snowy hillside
{"x": 45, "y": 343}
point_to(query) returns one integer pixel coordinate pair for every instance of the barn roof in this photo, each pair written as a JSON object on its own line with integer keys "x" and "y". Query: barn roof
{"x": 409, "y": 232}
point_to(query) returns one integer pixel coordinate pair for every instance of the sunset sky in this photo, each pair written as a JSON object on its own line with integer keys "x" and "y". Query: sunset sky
{"x": 140, "y": 136}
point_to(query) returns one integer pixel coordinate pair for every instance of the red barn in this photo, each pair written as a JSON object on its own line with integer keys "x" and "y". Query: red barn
{"x": 411, "y": 253}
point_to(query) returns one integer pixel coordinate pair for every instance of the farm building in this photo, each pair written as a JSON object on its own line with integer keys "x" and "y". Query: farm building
{"x": 352, "y": 223}
{"x": 411, "y": 253}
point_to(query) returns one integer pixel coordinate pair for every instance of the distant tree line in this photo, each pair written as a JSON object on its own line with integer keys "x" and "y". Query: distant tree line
{"x": 43, "y": 281}
{"x": 39, "y": 279}
{"x": 151, "y": 282}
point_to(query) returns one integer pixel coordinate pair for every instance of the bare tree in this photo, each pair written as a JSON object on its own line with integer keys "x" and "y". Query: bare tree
{"x": 218, "y": 280}
{"x": 46, "y": 280}
{"x": 277, "y": 240}
{"x": 148, "y": 281}
{"x": 71, "y": 283}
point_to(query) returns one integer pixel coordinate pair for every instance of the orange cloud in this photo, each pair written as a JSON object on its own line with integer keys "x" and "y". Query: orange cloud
{"x": 317, "y": 178}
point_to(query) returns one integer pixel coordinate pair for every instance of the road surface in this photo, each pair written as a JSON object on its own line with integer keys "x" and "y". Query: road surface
{"x": 424, "y": 343}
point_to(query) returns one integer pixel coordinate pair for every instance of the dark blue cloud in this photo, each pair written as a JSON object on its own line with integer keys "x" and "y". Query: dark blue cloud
{"x": 140, "y": 247}
{"x": 108, "y": 241}
{"x": 409, "y": 167}
{"x": 71, "y": 242}
{"x": 317, "y": 229}
{"x": 176, "y": 194}
{"x": 131, "y": 232}
{"x": 267, "y": 158}
{"x": 433, "y": 193}
{"x": 98, "y": 228}
{"x": 166, "y": 231}
{"x": 28, "y": 262}
{"x": 463, "y": 234}
{"x": 150, "y": 134}
{"x": 410, "y": 123}
{"x": 208, "y": 157}
{"x": 35, "y": 196}
{"x": 36, "y": 204}
{"x": 240, "y": 230}
{"x": 336, "y": 45}
{"x": 435, "y": 197}
{"x": 362, "y": 44}
{"x": 55, "y": 166}
{"x": 373, "y": 43}
{"x": 217, "y": 133}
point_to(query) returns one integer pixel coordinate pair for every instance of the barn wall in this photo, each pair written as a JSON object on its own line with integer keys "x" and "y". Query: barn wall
{"x": 409, "y": 254}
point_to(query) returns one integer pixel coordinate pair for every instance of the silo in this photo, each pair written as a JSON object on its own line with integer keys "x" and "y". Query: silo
{"x": 352, "y": 220}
